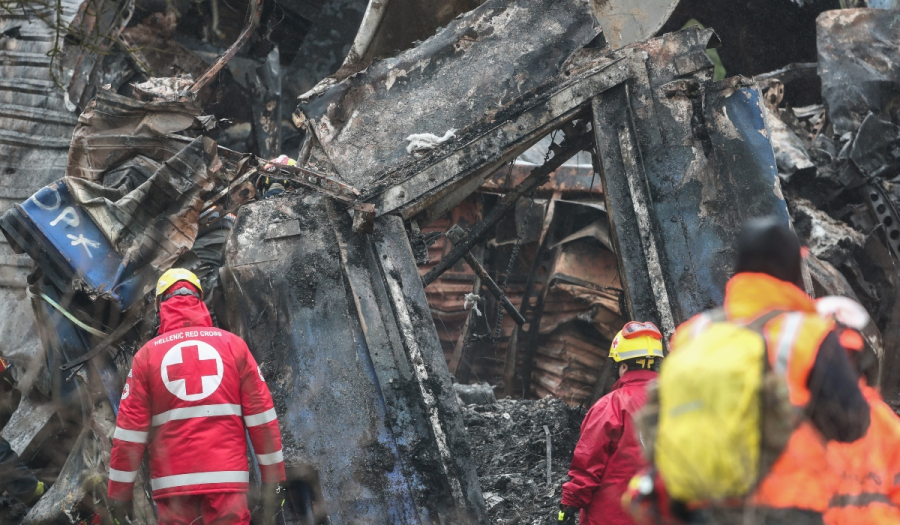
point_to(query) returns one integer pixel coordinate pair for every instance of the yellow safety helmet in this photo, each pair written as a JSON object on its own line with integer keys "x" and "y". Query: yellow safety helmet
{"x": 176, "y": 275}
{"x": 637, "y": 340}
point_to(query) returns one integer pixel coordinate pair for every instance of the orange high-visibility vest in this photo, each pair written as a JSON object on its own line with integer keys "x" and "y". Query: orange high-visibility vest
{"x": 868, "y": 470}
{"x": 800, "y": 478}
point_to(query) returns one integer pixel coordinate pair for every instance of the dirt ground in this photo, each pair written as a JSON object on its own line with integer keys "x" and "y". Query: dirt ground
{"x": 509, "y": 446}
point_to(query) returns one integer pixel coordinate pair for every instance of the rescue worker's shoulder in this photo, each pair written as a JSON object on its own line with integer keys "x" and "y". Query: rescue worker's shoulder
{"x": 686, "y": 330}
{"x": 812, "y": 324}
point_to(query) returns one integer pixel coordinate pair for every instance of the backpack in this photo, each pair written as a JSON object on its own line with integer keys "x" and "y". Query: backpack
{"x": 719, "y": 416}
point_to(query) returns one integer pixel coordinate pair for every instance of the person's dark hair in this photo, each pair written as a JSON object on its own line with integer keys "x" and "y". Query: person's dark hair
{"x": 768, "y": 245}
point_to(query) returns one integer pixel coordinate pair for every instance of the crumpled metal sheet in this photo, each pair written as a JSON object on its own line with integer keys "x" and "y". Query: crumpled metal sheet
{"x": 130, "y": 220}
{"x": 876, "y": 146}
{"x": 112, "y": 132}
{"x": 114, "y": 241}
{"x": 790, "y": 152}
{"x": 471, "y": 68}
{"x": 685, "y": 162}
{"x": 628, "y": 21}
{"x": 114, "y": 129}
{"x": 859, "y": 63}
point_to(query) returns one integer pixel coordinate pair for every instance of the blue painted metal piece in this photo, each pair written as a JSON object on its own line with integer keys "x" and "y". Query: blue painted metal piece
{"x": 64, "y": 341}
{"x": 684, "y": 165}
{"x": 67, "y": 245}
{"x": 703, "y": 192}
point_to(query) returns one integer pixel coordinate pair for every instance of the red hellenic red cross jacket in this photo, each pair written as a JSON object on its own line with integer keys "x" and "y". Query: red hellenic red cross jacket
{"x": 609, "y": 453}
{"x": 189, "y": 396}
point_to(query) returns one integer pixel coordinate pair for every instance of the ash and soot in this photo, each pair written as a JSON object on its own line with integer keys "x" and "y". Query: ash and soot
{"x": 509, "y": 447}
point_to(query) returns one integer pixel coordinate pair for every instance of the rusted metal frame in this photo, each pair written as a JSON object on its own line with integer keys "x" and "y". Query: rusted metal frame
{"x": 481, "y": 156}
{"x": 536, "y": 288}
{"x": 319, "y": 182}
{"x": 537, "y": 177}
{"x": 456, "y": 234}
{"x": 534, "y": 329}
{"x": 363, "y": 212}
{"x": 249, "y": 28}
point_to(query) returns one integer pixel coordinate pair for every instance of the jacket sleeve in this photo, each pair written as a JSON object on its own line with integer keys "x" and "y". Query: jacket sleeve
{"x": 260, "y": 417}
{"x": 600, "y": 434}
{"x": 132, "y": 431}
{"x": 837, "y": 407}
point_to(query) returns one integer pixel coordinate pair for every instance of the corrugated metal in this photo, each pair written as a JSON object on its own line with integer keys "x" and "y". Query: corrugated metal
{"x": 35, "y": 128}
{"x": 581, "y": 312}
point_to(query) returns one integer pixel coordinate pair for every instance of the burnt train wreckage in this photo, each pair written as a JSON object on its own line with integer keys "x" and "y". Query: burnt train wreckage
{"x": 322, "y": 281}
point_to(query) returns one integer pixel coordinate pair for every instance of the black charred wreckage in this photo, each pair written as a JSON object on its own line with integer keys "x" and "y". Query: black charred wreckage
{"x": 561, "y": 165}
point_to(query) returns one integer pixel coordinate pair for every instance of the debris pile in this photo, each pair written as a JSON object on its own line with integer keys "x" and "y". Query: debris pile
{"x": 497, "y": 186}
{"x": 839, "y": 165}
{"x": 509, "y": 444}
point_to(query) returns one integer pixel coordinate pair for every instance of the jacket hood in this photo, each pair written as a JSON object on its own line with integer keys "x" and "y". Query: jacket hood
{"x": 749, "y": 295}
{"x": 635, "y": 377}
{"x": 183, "y": 311}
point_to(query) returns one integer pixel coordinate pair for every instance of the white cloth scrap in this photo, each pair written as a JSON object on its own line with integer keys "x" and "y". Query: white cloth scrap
{"x": 471, "y": 302}
{"x": 427, "y": 141}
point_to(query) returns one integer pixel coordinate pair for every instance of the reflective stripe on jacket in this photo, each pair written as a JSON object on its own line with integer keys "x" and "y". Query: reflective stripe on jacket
{"x": 869, "y": 469}
{"x": 191, "y": 393}
{"x": 608, "y": 453}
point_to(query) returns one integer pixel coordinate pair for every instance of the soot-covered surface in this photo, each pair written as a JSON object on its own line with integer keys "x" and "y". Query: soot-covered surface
{"x": 509, "y": 447}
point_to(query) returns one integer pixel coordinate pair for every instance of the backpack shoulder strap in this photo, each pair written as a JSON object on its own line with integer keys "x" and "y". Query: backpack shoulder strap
{"x": 760, "y": 322}
{"x": 717, "y": 315}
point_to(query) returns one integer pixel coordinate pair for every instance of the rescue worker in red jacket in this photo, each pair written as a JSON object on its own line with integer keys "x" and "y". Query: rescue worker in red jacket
{"x": 190, "y": 395}
{"x": 867, "y": 490}
{"x": 803, "y": 347}
{"x": 609, "y": 452}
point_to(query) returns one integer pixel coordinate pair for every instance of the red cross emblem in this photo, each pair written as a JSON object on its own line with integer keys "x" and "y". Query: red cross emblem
{"x": 615, "y": 342}
{"x": 192, "y": 370}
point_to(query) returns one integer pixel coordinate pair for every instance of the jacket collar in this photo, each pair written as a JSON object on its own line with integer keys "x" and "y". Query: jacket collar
{"x": 635, "y": 377}
{"x": 749, "y": 295}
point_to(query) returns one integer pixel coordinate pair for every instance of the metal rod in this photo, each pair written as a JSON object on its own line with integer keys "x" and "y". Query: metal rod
{"x": 549, "y": 457}
{"x": 537, "y": 177}
{"x": 459, "y": 366}
{"x": 455, "y": 234}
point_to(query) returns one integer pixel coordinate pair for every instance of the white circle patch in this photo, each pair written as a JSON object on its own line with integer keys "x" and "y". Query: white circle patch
{"x": 126, "y": 391}
{"x": 192, "y": 370}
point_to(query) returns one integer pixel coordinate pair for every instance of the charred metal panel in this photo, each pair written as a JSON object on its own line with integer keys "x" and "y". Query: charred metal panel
{"x": 686, "y": 161}
{"x": 476, "y": 65}
{"x": 35, "y": 128}
{"x": 859, "y": 66}
{"x": 326, "y": 327}
{"x": 627, "y": 21}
